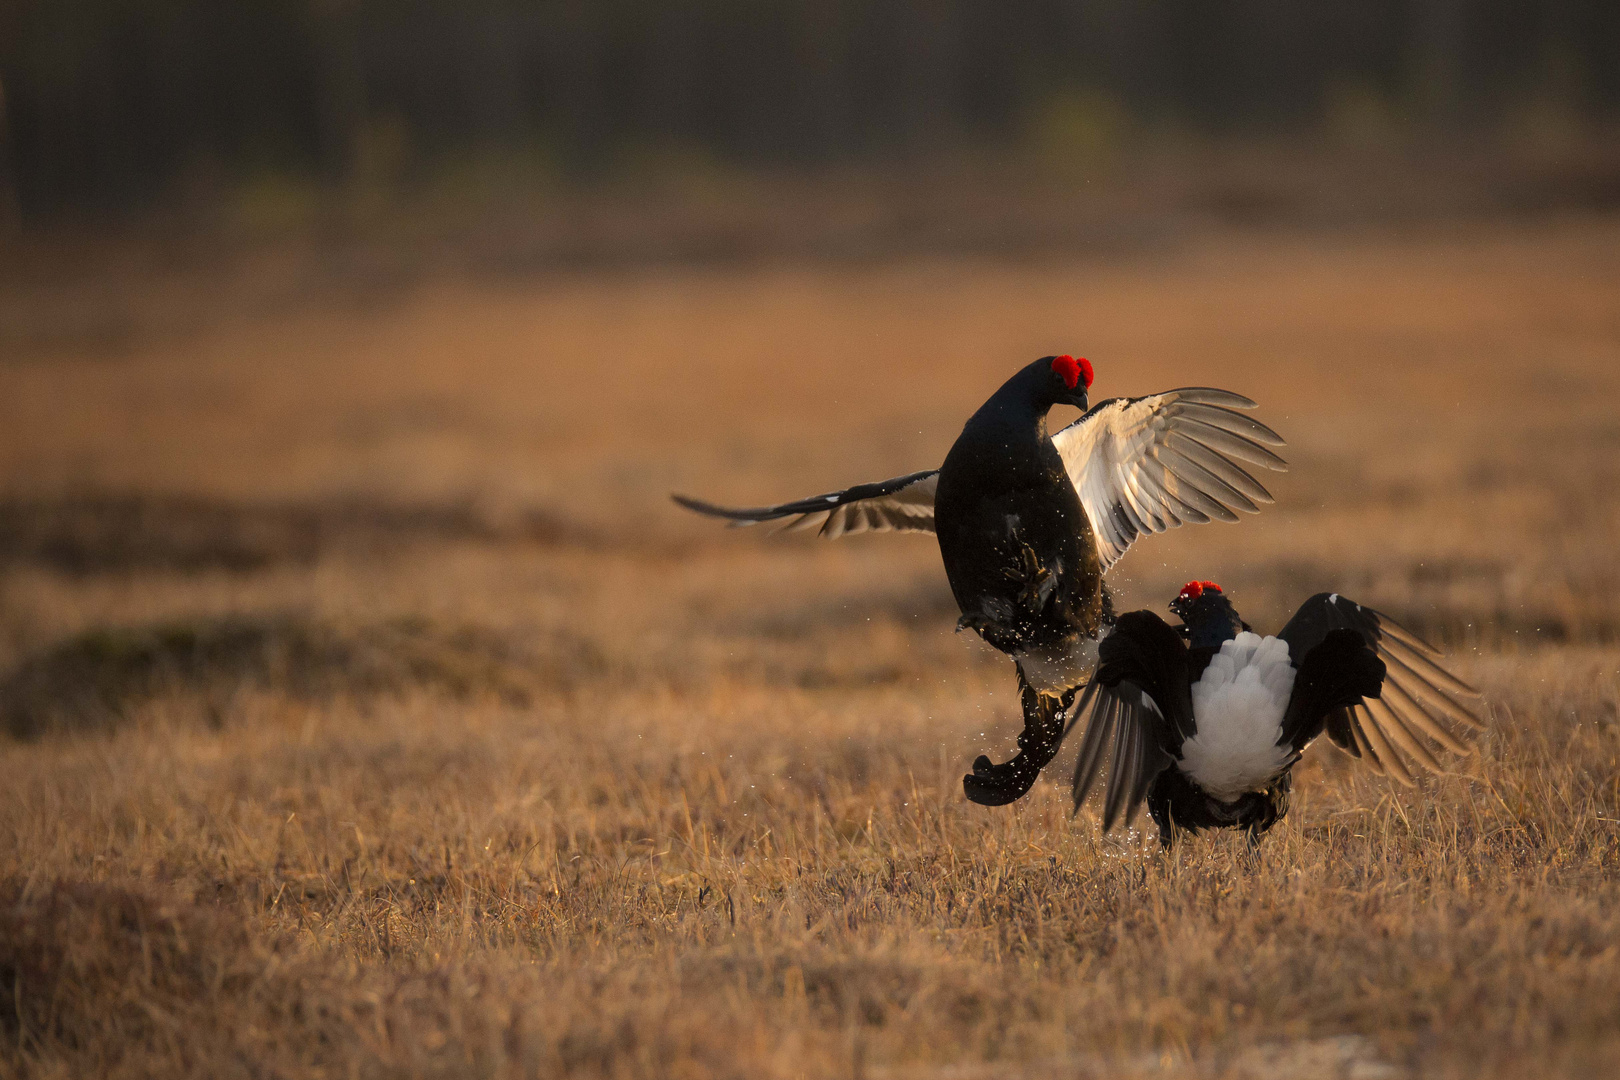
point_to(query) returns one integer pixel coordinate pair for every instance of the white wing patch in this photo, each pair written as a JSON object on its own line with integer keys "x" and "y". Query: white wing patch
{"x": 1146, "y": 465}
{"x": 1238, "y": 706}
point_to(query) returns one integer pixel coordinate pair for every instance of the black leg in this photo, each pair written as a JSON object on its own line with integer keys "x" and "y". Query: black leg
{"x": 1159, "y": 808}
{"x": 1270, "y": 807}
{"x": 990, "y": 784}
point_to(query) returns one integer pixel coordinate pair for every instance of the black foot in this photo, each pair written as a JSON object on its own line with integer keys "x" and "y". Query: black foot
{"x": 990, "y": 784}
{"x": 976, "y": 623}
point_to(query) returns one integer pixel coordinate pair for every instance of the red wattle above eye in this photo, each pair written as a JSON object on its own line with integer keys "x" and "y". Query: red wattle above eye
{"x": 1073, "y": 371}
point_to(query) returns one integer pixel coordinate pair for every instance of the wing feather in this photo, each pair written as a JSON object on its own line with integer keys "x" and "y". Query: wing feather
{"x": 1431, "y": 696}
{"x": 1152, "y": 479}
{"x": 1417, "y": 716}
{"x": 1426, "y": 670}
{"x": 1218, "y": 465}
{"x": 1150, "y": 464}
{"x": 1417, "y": 701}
{"x": 1358, "y": 728}
{"x": 1179, "y": 488}
{"x": 903, "y": 504}
{"x": 1226, "y": 399}
{"x": 1379, "y": 741}
{"x": 1135, "y": 501}
{"x": 1092, "y": 744}
{"x": 1232, "y": 445}
{"x": 1392, "y": 722}
{"x": 1132, "y": 732}
{"x": 1120, "y": 770}
{"x": 1233, "y": 422}
{"x": 1196, "y": 475}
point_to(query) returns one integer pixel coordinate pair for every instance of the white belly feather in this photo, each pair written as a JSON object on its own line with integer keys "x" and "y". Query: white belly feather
{"x": 1238, "y": 706}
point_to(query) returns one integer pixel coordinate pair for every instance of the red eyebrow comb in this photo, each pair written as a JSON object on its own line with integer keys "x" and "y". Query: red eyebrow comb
{"x": 1072, "y": 370}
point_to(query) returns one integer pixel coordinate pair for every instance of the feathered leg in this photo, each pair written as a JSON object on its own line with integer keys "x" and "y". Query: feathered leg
{"x": 990, "y": 784}
{"x": 1158, "y": 803}
{"x": 1270, "y": 807}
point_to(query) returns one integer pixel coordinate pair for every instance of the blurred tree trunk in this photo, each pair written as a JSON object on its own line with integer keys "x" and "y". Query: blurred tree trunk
{"x": 10, "y": 204}
{"x": 669, "y": 105}
{"x": 573, "y": 104}
{"x": 1562, "y": 80}
{"x": 820, "y": 107}
{"x": 1440, "y": 37}
{"x": 928, "y": 73}
{"x": 341, "y": 88}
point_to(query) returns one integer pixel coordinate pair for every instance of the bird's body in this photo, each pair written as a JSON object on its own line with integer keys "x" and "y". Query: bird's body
{"x": 1016, "y": 544}
{"x": 1207, "y": 720}
{"x": 1028, "y": 523}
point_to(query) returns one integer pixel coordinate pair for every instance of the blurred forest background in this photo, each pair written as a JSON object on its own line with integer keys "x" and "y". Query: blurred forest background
{"x": 277, "y": 114}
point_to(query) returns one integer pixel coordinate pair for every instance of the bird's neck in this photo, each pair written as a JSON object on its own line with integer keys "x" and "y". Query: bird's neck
{"x": 1215, "y": 628}
{"x": 1015, "y": 410}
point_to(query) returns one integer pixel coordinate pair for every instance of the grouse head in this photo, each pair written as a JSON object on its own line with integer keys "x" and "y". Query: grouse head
{"x": 1209, "y": 616}
{"x": 1068, "y": 379}
{"x": 1062, "y": 380}
{"x": 1035, "y": 388}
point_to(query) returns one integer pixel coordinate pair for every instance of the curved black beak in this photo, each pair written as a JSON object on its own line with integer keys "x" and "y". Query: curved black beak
{"x": 1077, "y": 397}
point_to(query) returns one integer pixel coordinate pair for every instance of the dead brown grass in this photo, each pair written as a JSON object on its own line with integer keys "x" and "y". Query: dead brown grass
{"x": 384, "y": 719}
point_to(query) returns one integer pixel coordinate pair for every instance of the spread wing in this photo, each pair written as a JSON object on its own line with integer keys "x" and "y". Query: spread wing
{"x": 1420, "y": 701}
{"x": 1140, "y": 708}
{"x": 904, "y": 504}
{"x": 1149, "y": 464}
{"x": 1130, "y": 722}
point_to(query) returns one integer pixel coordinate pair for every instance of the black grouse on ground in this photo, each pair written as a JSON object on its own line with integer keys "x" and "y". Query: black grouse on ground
{"x": 1028, "y": 523}
{"x": 1206, "y": 720}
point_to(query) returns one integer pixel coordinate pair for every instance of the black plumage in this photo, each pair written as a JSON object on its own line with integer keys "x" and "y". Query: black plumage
{"x": 1375, "y": 687}
{"x": 1028, "y": 523}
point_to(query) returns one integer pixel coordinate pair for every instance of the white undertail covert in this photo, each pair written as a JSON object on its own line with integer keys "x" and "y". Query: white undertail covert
{"x": 1238, "y": 706}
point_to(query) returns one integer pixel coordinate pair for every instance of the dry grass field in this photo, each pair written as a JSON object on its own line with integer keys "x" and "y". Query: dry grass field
{"x": 369, "y": 711}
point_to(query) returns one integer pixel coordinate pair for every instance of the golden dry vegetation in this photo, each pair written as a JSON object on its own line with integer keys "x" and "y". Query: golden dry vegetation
{"x": 369, "y": 711}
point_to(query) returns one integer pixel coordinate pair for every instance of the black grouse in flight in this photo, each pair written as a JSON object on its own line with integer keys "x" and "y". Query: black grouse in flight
{"x": 1028, "y": 522}
{"x": 1206, "y": 720}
